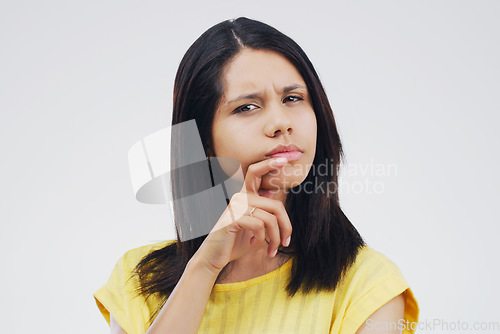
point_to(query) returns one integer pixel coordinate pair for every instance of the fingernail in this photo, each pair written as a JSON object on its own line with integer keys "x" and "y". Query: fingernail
{"x": 275, "y": 251}
{"x": 281, "y": 160}
{"x": 287, "y": 242}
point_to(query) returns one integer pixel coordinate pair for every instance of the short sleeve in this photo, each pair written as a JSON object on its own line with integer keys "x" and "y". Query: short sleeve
{"x": 110, "y": 298}
{"x": 372, "y": 282}
{"x": 118, "y": 296}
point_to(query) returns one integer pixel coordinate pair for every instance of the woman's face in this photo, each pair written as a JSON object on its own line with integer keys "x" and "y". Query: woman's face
{"x": 247, "y": 128}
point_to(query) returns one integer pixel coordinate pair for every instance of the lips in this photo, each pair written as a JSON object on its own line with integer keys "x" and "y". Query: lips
{"x": 290, "y": 155}
{"x": 291, "y": 152}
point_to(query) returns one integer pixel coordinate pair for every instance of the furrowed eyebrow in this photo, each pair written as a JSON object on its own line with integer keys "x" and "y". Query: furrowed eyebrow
{"x": 255, "y": 95}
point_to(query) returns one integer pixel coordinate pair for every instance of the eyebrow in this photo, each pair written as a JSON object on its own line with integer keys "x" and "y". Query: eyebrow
{"x": 255, "y": 95}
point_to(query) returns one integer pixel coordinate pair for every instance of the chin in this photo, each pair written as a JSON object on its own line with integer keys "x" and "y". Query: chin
{"x": 287, "y": 177}
{"x": 281, "y": 181}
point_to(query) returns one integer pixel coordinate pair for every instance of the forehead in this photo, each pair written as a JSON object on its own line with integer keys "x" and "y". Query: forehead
{"x": 258, "y": 69}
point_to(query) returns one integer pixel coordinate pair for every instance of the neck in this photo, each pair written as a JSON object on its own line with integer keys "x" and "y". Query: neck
{"x": 251, "y": 265}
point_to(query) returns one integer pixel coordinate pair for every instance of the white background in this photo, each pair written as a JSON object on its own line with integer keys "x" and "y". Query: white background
{"x": 412, "y": 83}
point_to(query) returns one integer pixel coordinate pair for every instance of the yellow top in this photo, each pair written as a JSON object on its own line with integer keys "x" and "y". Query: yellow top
{"x": 261, "y": 305}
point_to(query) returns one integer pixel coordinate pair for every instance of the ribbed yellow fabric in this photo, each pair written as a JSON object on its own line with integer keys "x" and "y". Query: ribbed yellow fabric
{"x": 261, "y": 305}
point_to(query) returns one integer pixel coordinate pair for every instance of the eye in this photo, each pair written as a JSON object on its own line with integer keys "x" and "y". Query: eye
{"x": 295, "y": 97}
{"x": 242, "y": 109}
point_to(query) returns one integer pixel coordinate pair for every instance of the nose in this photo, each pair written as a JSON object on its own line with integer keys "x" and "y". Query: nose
{"x": 278, "y": 122}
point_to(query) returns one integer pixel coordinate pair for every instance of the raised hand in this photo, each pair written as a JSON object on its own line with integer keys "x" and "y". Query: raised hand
{"x": 237, "y": 231}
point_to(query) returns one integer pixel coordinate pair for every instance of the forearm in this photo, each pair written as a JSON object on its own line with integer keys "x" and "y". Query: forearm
{"x": 184, "y": 308}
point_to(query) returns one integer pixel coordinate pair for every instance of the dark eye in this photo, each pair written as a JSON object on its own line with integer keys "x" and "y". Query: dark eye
{"x": 295, "y": 97}
{"x": 242, "y": 109}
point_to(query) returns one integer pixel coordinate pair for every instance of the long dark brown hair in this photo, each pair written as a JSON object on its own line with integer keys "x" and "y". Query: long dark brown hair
{"x": 324, "y": 243}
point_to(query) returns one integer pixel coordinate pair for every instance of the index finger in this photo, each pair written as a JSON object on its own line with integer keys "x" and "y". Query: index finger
{"x": 255, "y": 171}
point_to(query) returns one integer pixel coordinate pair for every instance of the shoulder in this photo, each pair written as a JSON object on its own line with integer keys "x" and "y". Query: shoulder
{"x": 125, "y": 265}
{"x": 372, "y": 273}
{"x": 118, "y": 296}
{"x": 371, "y": 267}
{"x": 372, "y": 281}
{"x": 134, "y": 255}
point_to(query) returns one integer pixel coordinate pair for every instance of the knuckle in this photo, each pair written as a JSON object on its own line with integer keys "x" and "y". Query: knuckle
{"x": 236, "y": 197}
{"x": 260, "y": 224}
{"x": 233, "y": 199}
{"x": 251, "y": 169}
{"x": 274, "y": 219}
{"x": 279, "y": 204}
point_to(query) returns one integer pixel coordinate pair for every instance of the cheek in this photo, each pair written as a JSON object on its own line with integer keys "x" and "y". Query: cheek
{"x": 228, "y": 142}
{"x": 310, "y": 129}
{"x": 313, "y": 125}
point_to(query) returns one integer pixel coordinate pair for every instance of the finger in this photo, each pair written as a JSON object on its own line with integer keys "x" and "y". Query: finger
{"x": 276, "y": 208}
{"x": 272, "y": 229}
{"x": 253, "y": 224}
{"x": 255, "y": 171}
{"x": 267, "y": 193}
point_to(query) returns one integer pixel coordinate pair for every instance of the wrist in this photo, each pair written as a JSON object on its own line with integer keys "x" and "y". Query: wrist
{"x": 199, "y": 264}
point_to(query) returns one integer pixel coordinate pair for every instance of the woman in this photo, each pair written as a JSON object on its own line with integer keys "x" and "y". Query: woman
{"x": 282, "y": 257}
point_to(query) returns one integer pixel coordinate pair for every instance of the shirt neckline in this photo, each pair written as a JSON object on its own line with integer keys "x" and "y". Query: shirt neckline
{"x": 220, "y": 287}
